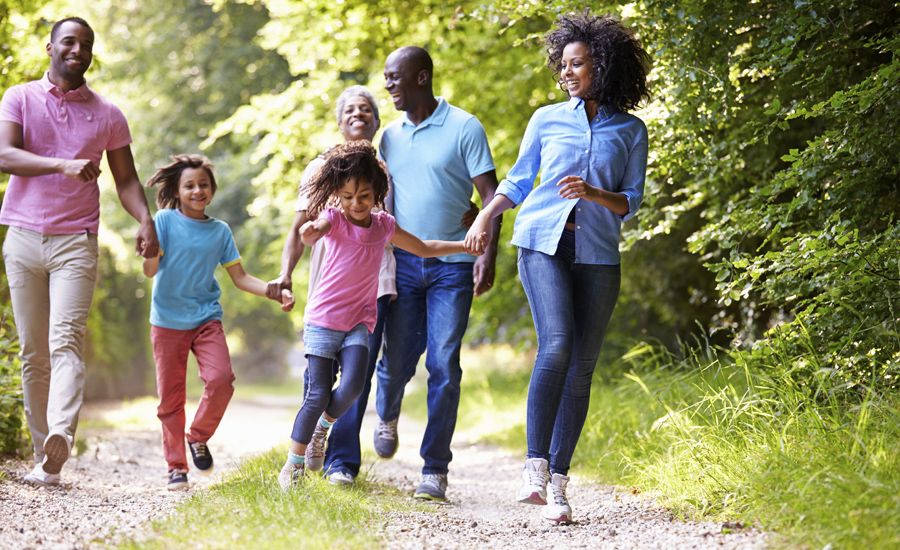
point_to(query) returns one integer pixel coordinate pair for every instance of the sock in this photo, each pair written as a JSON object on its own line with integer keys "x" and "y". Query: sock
{"x": 296, "y": 460}
{"x": 324, "y": 423}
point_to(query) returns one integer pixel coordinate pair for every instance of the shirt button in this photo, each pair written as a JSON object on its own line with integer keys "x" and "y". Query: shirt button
{"x": 579, "y": 209}
{"x": 577, "y": 227}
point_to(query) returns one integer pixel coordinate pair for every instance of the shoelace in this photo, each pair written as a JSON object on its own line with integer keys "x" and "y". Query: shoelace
{"x": 387, "y": 430}
{"x": 200, "y": 450}
{"x": 317, "y": 443}
{"x": 538, "y": 478}
{"x": 432, "y": 479}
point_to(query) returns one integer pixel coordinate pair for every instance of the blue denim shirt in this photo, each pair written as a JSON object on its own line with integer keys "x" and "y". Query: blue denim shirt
{"x": 610, "y": 152}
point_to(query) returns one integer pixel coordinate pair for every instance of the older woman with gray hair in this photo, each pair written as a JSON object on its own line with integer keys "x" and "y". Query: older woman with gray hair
{"x": 358, "y": 119}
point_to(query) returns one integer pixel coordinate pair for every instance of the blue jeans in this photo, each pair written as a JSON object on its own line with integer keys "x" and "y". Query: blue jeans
{"x": 571, "y": 304}
{"x": 431, "y": 311}
{"x": 343, "y": 451}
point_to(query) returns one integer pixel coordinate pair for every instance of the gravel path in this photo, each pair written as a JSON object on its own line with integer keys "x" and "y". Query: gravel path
{"x": 117, "y": 484}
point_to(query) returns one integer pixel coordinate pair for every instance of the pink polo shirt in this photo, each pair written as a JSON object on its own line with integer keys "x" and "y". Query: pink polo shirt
{"x": 79, "y": 124}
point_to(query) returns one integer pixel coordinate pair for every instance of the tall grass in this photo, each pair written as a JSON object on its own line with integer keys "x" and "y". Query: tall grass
{"x": 716, "y": 437}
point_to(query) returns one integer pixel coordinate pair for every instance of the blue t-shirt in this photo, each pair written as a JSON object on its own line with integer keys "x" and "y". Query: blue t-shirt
{"x": 609, "y": 152}
{"x": 431, "y": 167}
{"x": 185, "y": 290}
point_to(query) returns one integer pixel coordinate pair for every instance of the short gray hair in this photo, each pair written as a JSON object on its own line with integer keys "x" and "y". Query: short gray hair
{"x": 356, "y": 91}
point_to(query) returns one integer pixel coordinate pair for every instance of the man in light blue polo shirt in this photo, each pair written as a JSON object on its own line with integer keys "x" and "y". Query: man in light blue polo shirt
{"x": 435, "y": 153}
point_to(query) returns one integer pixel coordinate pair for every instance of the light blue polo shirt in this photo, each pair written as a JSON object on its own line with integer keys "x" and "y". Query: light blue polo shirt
{"x": 185, "y": 290}
{"x": 431, "y": 167}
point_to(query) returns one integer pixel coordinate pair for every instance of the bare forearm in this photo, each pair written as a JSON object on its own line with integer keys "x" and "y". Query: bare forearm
{"x": 132, "y": 197}
{"x": 151, "y": 266}
{"x": 20, "y": 162}
{"x": 617, "y": 203}
{"x": 290, "y": 255}
{"x": 251, "y": 284}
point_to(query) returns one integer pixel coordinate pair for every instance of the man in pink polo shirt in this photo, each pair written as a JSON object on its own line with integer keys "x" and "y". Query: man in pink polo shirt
{"x": 53, "y": 133}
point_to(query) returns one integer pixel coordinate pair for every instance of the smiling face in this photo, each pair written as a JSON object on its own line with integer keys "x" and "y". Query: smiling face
{"x": 357, "y": 200}
{"x": 71, "y": 51}
{"x": 576, "y": 69}
{"x": 400, "y": 80}
{"x": 358, "y": 120}
{"x": 195, "y": 192}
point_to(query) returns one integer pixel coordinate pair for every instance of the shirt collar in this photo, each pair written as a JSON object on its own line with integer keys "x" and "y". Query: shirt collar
{"x": 80, "y": 93}
{"x": 605, "y": 111}
{"x": 436, "y": 118}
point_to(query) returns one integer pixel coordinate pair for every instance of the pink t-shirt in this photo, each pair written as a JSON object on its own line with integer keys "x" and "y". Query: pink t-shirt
{"x": 72, "y": 125}
{"x": 346, "y": 292}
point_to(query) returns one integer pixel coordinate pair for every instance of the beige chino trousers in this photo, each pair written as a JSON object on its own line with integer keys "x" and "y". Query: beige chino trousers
{"x": 51, "y": 283}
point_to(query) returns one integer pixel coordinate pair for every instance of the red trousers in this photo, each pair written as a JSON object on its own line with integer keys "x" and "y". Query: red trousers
{"x": 170, "y": 350}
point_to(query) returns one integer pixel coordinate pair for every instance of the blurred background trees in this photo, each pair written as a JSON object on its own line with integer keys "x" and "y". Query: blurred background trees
{"x": 769, "y": 223}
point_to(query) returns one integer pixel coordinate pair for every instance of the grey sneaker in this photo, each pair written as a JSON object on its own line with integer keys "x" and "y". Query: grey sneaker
{"x": 315, "y": 451}
{"x": 558, "y": 509}
{"x": 341, "y": 478}
{"x": 432, "y": 487}
{"x": 386, "y": 438}
{"x": 290, "y": 476}
{"x": 534, "y": 482}
{"x": 56, "y": 452}
{"x": 178, "y": 480}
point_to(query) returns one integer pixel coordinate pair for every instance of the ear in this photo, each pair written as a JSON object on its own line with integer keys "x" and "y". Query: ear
{"x": 49, "y": 48}
{"x": 422, "y": 77}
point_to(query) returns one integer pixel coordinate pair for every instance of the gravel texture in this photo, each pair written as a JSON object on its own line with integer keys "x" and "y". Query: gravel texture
{"x": 117, "y": 485}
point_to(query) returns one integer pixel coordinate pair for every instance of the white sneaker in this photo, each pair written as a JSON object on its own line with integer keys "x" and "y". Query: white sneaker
{"x": 315, "y": 450}
{"x": 290, "y": 476}
{"x": 38, "y": 476}
{"x": 558, "y": 509}
{"x": 534, "y": 481}
{"x": 340, "y": 478}
{"x": 56, "y": 452}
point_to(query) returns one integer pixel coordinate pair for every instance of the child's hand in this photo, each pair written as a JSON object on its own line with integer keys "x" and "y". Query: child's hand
{"x": 287, "y": 300}
{"x": 310, "y": 232}
{"x": 476, "y": 244}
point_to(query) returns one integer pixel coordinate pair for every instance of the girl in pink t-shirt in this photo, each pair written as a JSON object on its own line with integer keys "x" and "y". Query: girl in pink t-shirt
{"x": 341, "y": 311}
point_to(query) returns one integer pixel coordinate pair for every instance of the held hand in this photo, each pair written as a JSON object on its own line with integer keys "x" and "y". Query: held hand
{"x": 478, "y": 235}
{"x": 469, "y": 217}
{"x": 287, "y": 300}
{"x": 146, "y": 242}
{"x": 483, "y": 274}
{"x": 81, "y": 169}
{"x": 573, "y": 187}
{"x": 275, "y": 287}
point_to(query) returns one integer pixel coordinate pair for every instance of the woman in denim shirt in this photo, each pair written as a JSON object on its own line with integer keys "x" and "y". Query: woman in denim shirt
{"x": 592, "y": 156}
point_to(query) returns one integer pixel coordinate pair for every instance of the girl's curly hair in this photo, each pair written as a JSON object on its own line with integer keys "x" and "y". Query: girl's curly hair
{"x": 620, "y": 63}
{"x": 167, "y": 178}
{"x": 351, "y": 160}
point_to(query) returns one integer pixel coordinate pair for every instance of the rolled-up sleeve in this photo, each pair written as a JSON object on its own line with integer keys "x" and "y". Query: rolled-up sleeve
{"x": 519, "y": 181}
{"x": 635, "y": 174}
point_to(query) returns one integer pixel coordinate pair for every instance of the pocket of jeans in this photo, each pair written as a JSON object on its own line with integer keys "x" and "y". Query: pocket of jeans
{"x": 16, "y": 272}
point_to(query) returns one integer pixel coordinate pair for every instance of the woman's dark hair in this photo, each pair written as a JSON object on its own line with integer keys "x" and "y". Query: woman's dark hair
{"x": 351, "y": 160}
{"x": 166, "y": 178}
{"x": 620, "y": 63}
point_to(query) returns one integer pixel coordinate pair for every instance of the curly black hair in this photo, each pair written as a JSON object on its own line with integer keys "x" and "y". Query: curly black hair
{"x": 168, "y": 177}
{"x": 620, "y": 62}
{"x": 351, "y": 160}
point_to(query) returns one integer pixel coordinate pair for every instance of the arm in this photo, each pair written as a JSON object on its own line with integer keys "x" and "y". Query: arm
{"x": 151, "y": 266}
{"x": 131, "y": 195}
{"x": 573, "y": 187}
{"x": 290, "y": 255}
{"x": 312, "y": 231}
{"x": 16, "y": 160}
{"x": 249, "y": 283}
{"x": 483, "y": 271}
{"x": 425, "y": 249}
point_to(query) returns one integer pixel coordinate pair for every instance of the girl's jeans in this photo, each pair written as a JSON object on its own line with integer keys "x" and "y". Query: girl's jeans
{"x": 571, "y": 304}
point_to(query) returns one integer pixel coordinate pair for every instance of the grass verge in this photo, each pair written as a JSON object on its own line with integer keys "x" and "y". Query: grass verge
{"x": 721, "y": 439}
{"x": 249, "y": 510}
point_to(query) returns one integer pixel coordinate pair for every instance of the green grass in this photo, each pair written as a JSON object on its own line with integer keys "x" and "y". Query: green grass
{"x": 249, "y": 510}
{"x": 719, "y": 439}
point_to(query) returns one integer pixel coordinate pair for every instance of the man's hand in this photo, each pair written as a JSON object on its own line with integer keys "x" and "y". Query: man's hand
{"x": 483, "y": 273}
{"x": 469, "y": 217}
{"x": 81, "y": 169}
{"x": 276, "y": 287}
{"x": 146, "y": 243}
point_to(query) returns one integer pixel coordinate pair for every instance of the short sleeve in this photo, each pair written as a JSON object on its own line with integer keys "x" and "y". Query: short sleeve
{"x": 308, "y": 173}
{"x": 119, "y": 134}
{"x": 230, "y": 255}
{"x": 475, "y": 149}
{"x": 11, "y": 106}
